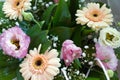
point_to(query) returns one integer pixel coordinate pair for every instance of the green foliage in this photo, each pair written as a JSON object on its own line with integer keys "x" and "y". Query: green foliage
{"x": 47, "y": 15}
{"x": 91, "y": 78}
{"x": 1, "y": 12}
{"x": 77, "y": 64}
{"x": 63, "y": 33}
{"x": 6, "y": 60}
{"x": 8, "y": 66}
{"x": 117, "y": 52}
{"x": 74, "y": 5}
{"x": 8, "y": 72}
{"x": 38, "y": 37}
{"x": 62, "y": 15}
{"x": 19, "y": 75}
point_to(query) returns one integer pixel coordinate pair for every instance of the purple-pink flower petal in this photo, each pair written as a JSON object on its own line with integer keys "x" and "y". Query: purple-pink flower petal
{"x": 14, "y": 42}
{"x": 70, "y": 52}
{"x": 107, "y": 56}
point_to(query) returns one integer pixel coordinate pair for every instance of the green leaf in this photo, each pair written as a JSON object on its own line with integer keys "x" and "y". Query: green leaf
{"x": 117, "y": 52}
{"x": 8, "y": 73}
{"x": 77, "y": 64}
{"x": 48, "y": 14}
{"x": 115, "y": 77}
{"x": 92, "y": 78}
{"x": 73, "y": 8}
{"x": 62, "y": 15}
{"x": 1, "y": 12}
{"x": 19, "y": 75}
{"x": 7, "y": 60}
{"x": 63, "y": 33}
{"x": 38, "y": 37}
{"x": 77, "y": 35}
{"x": 97, "y": 73}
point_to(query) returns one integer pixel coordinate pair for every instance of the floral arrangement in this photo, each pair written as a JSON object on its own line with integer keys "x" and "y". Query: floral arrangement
{"x": 58, "y": 40}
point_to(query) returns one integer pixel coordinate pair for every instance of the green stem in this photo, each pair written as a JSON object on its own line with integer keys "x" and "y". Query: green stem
{"x": 37, "y": 23}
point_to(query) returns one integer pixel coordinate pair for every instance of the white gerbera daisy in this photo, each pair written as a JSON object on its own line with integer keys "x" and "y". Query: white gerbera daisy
{"x": 13, "y": 8}
{"x": 40, "y": 66}
{"x": 94, "y": 16}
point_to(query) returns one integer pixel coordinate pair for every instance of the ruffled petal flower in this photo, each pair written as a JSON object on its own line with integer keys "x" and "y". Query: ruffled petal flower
{"x": 40, "y": 66}
{"x": 13, "y": 8}
{"x": 70, "y": 52}
{"x": 109, "y": 37}
{"x": 107, "y": 56}
{"x": 95, "y": 16}
{"x": 14, "y": 42}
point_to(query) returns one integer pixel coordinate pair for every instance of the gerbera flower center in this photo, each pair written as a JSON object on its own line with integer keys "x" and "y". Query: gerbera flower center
{"x": 18, "y": 4}
{"x": 39, "y": 63}
{"x": 16, "y": 43}
{"x": 94, "y": 15}
{"x": 109, "y": 37}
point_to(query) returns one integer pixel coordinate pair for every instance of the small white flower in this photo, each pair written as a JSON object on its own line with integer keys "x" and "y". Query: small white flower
{"x": 86, "y": 47}
{"x": 109, "y": 37}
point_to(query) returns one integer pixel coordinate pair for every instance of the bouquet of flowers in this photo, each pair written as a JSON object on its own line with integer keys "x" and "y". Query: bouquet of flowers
{"x": 58, "y": 40}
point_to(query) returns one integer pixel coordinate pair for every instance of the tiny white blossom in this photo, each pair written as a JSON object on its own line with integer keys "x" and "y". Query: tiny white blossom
{"x": 34, "y": 7}
{"x": 86, "y": 47}
{"x": 90, "y": 63}
{"x": 50, "y": 3}
{"x": 84, "y": 54}
{"x": 47, "y": 5}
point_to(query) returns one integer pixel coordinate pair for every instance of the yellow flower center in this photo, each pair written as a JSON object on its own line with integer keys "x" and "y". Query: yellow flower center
{"x": 95, "y": 15}
{"x": 16, "y": 43}
{"x": 39, "y": 63}
{"x": 109, "y": 37}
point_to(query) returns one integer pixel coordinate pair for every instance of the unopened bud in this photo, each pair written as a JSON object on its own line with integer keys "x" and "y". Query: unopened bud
{"x": 27, "y": 16}
{"x": 110, "y": 73}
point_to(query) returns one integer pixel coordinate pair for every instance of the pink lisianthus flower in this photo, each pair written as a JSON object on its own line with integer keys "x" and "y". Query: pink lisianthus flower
{"x": 14, "y": 42}
{"x": 70, "y": 52}
{"x": 107, "y": 56}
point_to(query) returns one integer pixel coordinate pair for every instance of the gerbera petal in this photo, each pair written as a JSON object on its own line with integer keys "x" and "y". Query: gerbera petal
{"x": 14, "y": 11}
{"x": 52, "y": 54}
{"x": 40, "y": 67}
{"x": 93, "y": 14}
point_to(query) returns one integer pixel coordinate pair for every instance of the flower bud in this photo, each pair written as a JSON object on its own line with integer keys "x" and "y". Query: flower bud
{"x": 27, "y": 16}
{"x": 110, "y": 73}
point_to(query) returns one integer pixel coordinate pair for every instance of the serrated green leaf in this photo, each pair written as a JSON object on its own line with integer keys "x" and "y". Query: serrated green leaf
{"x": 62, "y": 15}
{"x": 38, "y": 37}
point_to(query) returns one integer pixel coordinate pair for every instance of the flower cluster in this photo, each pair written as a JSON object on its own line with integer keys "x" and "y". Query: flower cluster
{"x": 56, "y": 40}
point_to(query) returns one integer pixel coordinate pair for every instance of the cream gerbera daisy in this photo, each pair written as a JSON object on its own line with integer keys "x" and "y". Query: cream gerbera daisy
{"x": 40, "y": 66}
{"x": 13, "y": 8}
{"x": 95, "y": 16}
